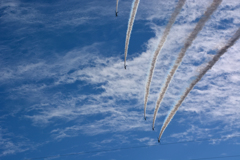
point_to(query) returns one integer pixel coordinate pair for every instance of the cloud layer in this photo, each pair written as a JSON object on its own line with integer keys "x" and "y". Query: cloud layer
{"x": 98, "y": 96}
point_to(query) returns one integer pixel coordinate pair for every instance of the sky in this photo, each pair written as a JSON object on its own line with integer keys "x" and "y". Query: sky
{"x": 64, "y": 89}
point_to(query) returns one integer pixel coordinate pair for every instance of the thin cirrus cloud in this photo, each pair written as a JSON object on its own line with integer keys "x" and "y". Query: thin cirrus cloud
{"x": 187, "y": 44}
{"x": 113, "y": 84}
{"x": 8, "y": 146}
{"x": 203, "y": 71}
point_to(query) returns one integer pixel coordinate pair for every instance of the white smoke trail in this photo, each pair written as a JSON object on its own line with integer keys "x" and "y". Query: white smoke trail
{"x": 117, "y": 6}
{"x": 130, "y": 25}
{"x": 223, "y": 50}
{"x": 188, "y": 43}
{"x": 158, "y": 50}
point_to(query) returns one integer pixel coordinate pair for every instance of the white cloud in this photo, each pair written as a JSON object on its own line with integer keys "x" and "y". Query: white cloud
{"x": 193, "y": 133}
{"x": 149, "y": 141}
{"x": 60, "y": 14}
{"x": 118, "y": 93}
{"x": 7, "y": 145}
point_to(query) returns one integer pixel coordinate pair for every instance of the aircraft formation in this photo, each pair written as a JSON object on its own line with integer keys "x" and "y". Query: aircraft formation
{"x": 200, "y": 24}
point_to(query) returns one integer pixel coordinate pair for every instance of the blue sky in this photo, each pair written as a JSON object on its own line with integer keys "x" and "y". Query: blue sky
{"x": 63, "y": 88}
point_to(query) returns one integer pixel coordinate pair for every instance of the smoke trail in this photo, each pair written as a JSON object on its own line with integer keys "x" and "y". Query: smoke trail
{"x": 130, "y": 25}
{"x": 188, "y": 42}
{"x": 160, "y": 45}
{"x": 117, "y": 6}
{"x": 223, "y": 50}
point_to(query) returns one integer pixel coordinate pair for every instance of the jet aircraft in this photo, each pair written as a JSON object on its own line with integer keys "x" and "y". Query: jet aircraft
{"x": 116, "y": 13}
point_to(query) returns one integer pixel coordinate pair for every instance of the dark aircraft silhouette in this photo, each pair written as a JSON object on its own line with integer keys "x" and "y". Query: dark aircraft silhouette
{"x": 116, "y": 14}
{"x": 145, "y": 118}
{"x": 125, "y": 66}
{"x": 153, "y": 128}
{"x": 159, "y": 141}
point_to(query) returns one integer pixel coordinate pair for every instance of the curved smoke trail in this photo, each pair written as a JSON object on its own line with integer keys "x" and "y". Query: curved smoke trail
{"x": 160, "y": 45}
{"x": 130, "y": 25}
{"x": 223, "y": 50}
{"x": 188, "y": 43}
{"x": 117, "y": 6}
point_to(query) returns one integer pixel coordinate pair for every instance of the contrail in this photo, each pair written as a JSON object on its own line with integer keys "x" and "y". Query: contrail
{"x": 117, "y": 6}
{"x": 199, "y": 77}
{"x": 130, "y": 25}
{"x": 188, "y": 42}
{"x": 160, "y": 45}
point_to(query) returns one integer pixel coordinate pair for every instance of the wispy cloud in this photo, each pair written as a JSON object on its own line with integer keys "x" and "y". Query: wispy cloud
{"x": 193, "y": 133}
{"x": 8, "y": 146}
{"x": 66, "y": 88}
{"x": 29, "y": 15}
{"x": 148, "y": 140}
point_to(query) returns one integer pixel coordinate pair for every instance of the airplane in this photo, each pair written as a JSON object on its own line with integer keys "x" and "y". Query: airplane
{"x": 145, "y": 118}
{"x": 159, "y": 141}
{"x": 116, "y": 13}
{"x": 125, "y": 66}
{"x": 153, "y": 128}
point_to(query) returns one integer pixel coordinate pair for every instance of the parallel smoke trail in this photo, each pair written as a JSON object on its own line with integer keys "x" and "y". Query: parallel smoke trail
{"x": 117, "y": 6}
{"x": 188, "y": 43}
{"x": 130, "y": 25}
{"x": 223, "y": 50}
{"x": 158, "y": 50}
